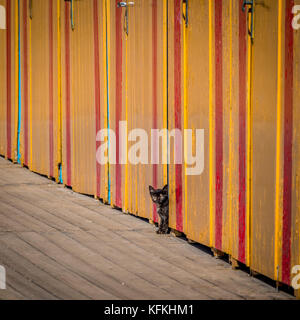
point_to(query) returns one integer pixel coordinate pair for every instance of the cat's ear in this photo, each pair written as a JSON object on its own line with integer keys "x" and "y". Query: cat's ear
{"x": 165, "y": 189}
{"x": 151, "y": 189}
{"x": 152, "y": 194}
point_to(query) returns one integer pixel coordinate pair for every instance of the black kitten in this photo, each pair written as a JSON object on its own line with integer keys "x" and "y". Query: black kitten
{"x": 161, "y": 198}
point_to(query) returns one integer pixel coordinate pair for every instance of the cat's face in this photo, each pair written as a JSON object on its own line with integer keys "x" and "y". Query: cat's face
{"x": 159, "y": 196}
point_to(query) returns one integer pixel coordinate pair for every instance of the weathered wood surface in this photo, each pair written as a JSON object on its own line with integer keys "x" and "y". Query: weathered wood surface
{"x": 56, "y": 244}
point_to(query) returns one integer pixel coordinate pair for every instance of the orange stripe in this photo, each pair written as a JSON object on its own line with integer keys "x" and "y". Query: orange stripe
{"x": 288, "y": 144}
{"x": 242, "y": 133}
{"x": 25, "y": 61}
{"x": 8, "y": 78}
{"x": 154, "y": 75}
{"x": 97, "y": 86}
{"x": 68, "y": 92}
{"x": 51, "y": 87}
{"x": 119, "y": 106}
{"x": 177, "y": 86}
{"x": 219, "y": 124}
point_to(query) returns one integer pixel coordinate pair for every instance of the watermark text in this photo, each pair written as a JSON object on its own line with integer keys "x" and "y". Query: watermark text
{"x": 2, "y": 278}
{"x": 163, "y": 147}
{"x": 296, "y": 19}
{"x": 296, "y": 278}
{"x": 2, "y": 18}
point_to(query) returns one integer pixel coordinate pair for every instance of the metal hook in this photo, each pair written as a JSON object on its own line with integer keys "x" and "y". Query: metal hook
{"x": 126, "y": 21}
{"x": 186, "y": 15}
{"x": 72, "y": 16}
{"x": 30, "y": 9}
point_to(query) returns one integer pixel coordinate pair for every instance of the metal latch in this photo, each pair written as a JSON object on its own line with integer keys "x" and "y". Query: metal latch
{"x": 71, "y": 14}
{"x": 125, "y": 4}
{"x": 185, "y": 13}
{"x": 250, "y": 3}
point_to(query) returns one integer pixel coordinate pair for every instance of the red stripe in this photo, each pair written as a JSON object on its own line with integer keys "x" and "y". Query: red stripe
{"x": 8, "y": 78}
{"x": 177, "y": 89}
{"x": 68, "y": 92}
{"x": 118, "y": 102}
{"x": 51, "y": 87}
{"x": 242, "y": 133}
{"x": 288, "y": 144}
{"x": 97, "y": 87}
{"x": 219, "y": 123}
{"x": 154, "y": 74}
{"x": 25, "y": 62}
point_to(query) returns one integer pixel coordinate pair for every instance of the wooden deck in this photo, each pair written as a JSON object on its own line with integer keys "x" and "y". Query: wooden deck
{"x": 56, "y": 244}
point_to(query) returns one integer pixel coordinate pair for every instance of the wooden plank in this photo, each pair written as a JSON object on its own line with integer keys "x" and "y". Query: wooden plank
{"x": 102, "y": 274}
{"x": 76, "y": 282}
{"x": 14, "y": 260}
{"x": 56, "y": 244}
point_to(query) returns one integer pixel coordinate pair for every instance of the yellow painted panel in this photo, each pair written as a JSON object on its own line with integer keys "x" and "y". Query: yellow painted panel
{"x": 116, "y": 59}
{"x": 140, "y": 42}
{"x": 3, "y": 87}
{"x": 264, "y": 125}
{"x": 197, "y": 200}
{"x": 83, "y": 82}
{"x": 25, "y": 79}
{"x": 231, "y": 87}
{"x": 131, "y": 97}
{"x": 42, "y": 88}
{"x": 8, "y": 146}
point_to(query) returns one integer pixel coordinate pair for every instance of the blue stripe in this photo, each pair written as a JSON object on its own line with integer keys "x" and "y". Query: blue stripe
{"x": 60, "y": 174}
{"x": 19, "y": 91}
{"x": 108, "y": 122}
